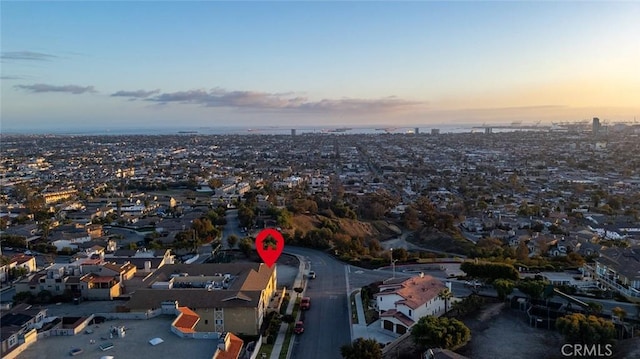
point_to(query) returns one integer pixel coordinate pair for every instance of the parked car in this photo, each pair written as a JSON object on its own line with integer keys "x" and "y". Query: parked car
{"x": 305, "y": 303}
{"x": 299, "y": 327}
{"x": 312, "y": 275}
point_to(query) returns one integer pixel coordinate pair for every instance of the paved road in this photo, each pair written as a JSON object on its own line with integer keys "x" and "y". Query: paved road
{"x": 7, "y": 295}
{"x": 327, "y": 324}
{"x": 232, "y": 227}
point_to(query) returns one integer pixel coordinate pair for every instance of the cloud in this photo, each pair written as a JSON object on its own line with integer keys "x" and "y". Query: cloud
{"x": 281, "y": 101}
{"x": 26, "y": 55}
{"x": 519, "y": 108}
{"x": 135, "y": 94}
{"x": 40, "y": 88}
{"x": 11, "y": 78}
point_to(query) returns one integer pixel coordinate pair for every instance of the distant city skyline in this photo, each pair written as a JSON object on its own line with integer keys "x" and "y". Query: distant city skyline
{"x": 128, "y": 65}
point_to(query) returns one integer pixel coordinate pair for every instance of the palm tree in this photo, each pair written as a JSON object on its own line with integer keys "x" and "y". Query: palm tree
{"x": 445, "y": 295}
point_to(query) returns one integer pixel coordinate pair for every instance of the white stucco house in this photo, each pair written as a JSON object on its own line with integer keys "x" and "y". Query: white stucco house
{"x": 403, "y": 301}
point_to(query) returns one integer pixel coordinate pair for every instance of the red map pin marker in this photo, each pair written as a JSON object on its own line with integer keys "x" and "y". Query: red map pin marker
{"x": 269, "y": 244}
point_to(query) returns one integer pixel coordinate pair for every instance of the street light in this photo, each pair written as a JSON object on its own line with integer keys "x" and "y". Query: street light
{"x": 393, "y": 264}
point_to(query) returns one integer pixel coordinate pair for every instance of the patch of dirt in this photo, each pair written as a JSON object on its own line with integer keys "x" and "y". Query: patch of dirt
{"x": 305, "y": 223}
{"x": 499, "y": 332}
{"x": 354, "y": 228}
{"x": 628, "y": 349}
{"x": 437, "y": 240}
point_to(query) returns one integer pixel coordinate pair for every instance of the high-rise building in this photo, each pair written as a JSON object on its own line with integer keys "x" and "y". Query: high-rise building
{"x": 293, "y": 132}
{"x": 435, "y": 131}
{"x": 417, "y": 131}
{"x": 595, "y": 128}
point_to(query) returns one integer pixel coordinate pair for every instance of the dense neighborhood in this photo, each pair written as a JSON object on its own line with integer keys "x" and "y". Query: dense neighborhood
{"x": 546, "y": 223}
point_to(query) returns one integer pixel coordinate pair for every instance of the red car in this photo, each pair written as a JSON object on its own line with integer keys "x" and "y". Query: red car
{"x": 305, "y": 303}
{"x": 299, "y": 327}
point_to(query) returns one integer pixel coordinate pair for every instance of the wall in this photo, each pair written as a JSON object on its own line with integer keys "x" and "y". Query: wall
{"x": 256, "y": 350}
{"x": 241, "y": 320}
{"x": 131, "y": 315}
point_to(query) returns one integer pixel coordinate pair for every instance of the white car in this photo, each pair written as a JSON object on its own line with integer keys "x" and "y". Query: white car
{"x": 312, "y": 275}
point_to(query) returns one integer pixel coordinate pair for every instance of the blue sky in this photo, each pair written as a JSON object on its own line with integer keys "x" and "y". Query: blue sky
{"x": 167, "y": 64}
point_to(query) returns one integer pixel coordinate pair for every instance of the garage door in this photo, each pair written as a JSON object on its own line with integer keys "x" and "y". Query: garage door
{"x": 401, "y": 329}
{"x": 388, "y": 325}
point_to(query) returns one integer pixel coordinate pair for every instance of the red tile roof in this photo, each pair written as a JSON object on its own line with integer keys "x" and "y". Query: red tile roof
{"x": 233, "y": 346}
{"x": 186, "y": 320}
{"x": 415, "y": 291}
{"x": 399, "y": 316}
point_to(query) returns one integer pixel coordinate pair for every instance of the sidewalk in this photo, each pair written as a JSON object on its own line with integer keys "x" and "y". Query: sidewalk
{"x": 371, "y": 331}
{"x": 300, "y": 281}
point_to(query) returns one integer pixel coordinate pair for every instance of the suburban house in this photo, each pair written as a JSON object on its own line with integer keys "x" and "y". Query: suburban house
{"x": 619, "y": 269}
{"x": 229, "y": 297}
{"x": 18, "y": 327}
{"x": 90, "y": 279}
{"x": 146, "y": 261}
{"x": 9, "y": 267}
{"x": 402, "y": 302}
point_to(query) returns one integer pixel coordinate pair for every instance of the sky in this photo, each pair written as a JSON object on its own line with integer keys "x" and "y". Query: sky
{"x": 170, "y": 64}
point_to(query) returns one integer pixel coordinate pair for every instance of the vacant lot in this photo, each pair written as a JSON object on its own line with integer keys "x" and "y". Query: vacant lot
{"x": 498, "y": 332}
{"x": 135, "y": 344}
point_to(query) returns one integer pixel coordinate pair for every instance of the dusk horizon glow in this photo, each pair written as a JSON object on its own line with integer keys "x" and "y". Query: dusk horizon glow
{"x": 88, "y": 65}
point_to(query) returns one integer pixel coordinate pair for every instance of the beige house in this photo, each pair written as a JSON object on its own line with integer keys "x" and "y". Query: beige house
{"x": 230, "y": 297}
{"x": 91, "y": 279}
{"x": 9, "y": 266}
{"x": 18, "y": 328}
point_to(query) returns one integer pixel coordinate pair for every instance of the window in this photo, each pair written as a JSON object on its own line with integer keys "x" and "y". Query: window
{"x": 12, "y": 341}
{"x": 219, "y": 321}
{"x": 206, "y": 321}
{"x": 409, "y": 312}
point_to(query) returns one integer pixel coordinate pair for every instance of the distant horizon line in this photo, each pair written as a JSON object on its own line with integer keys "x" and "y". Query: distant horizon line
{"x": 224, "y": 129}
{"x": 258, "y": 129}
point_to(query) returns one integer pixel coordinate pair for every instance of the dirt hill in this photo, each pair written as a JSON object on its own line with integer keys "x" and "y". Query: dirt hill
{"x": 380, "y": 230}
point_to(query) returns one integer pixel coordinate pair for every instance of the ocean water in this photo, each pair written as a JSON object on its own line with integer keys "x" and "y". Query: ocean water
{"x": 260, "y": 130}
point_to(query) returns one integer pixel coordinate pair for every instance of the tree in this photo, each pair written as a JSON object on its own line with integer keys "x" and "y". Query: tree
{"x": 595, "y": 307}
{"x": 522, "y": 252}
{"x": 504, "y": 287}
{"x": 232, "y": 240}
{"x": 491, "y": 271}
{"x": 532, "y": 288}
{"x": 399, "y": 254}
{"x": 578, "y": 328}
{"x": 362, "y": 349}
{"x": 246, "y": 245}
{"x": 445, "y": 295}
{"x": 440, "y": 332}
{"x": 298, "y": 290}
{"x": 45, "y": 227}
{"x": 619, "y": 312}
{"x": 215, "y": 183}
{"x": 410, "y": 218}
